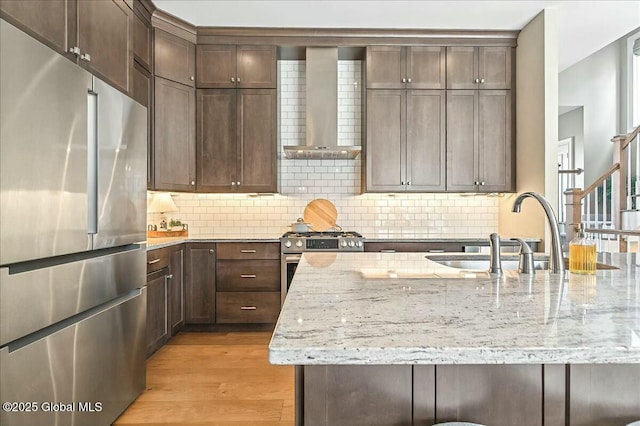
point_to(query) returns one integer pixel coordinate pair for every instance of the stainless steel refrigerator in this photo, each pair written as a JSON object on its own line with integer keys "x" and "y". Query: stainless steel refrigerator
{"x": 72, "y": 231}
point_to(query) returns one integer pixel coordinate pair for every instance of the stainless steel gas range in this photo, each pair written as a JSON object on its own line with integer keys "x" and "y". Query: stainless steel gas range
{"x": 293, "y": 244}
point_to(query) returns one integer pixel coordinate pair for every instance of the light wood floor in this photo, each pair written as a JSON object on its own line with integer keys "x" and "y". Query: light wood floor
{"x": 214, "y": 379}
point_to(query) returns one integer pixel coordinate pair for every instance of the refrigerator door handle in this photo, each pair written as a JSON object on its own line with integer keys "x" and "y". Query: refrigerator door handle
{"x": 92, "y": 162}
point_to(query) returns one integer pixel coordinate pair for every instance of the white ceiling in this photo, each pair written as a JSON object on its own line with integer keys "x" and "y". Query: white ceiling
{"x": 584, "y": 26}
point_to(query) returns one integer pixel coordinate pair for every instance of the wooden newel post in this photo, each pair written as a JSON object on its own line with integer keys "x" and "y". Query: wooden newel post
{"x": 619, "y": 185}
{"x": 574, "y": 212}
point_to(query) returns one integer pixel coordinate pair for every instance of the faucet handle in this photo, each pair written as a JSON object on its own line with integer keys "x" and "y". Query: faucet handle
{"x": 524, "y": 247}
{"x": 525, "y": 259}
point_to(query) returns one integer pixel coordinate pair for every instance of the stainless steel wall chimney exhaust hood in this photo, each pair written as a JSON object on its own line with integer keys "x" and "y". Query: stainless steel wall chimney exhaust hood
{"x": 322, "y": 109}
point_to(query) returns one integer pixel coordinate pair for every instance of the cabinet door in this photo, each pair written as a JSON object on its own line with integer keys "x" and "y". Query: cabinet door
{"x": 174, "y": 136}
{"x": 105, "y": 33}
{"x": 142, "y": 94}
{"x": 142, "y": 39}
{"x": 603, "y": 395}
{"x": 176, "y": 291}
{"x": 494, "y": 67}
{"x": 257, "y": 121}
{"x": 462, "y": 140}
{"x": 216, "y": 66}
{"x": 157, "y": 310}
{"x": 385, "y": 151}
{"x": 462, "y": 67}
{"x": 495, "y": 141}
{"x": 497, "y": 395}
{"x": 53, "y": 22}
{"x": 216, "y": 152}
{"x": 426, "y": 142}
{"x": 426, "y": 67}
{"x": 256, "y": 67}
{"x": 385, "y": 67}
{"x": 200, "y": 288}
{"x": 174, "y": 58}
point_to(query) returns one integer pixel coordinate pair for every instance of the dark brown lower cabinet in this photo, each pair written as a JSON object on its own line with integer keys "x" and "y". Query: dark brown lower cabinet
{"x": 157, "y": 310}
{"x": 176, "y": 290}
{"x": 495, "y": 395}
{"x": 246, "y": 307}
{"x": 200, "y": 289}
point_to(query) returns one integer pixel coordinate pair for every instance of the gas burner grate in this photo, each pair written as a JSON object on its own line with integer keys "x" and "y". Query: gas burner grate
{"x": 328, "y": 234}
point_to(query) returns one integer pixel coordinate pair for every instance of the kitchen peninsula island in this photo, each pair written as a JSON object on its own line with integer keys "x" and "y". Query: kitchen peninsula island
{"x": 398, "y": 339}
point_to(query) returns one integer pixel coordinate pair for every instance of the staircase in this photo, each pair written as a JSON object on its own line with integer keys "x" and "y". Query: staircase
{"x": 608, "y": 206}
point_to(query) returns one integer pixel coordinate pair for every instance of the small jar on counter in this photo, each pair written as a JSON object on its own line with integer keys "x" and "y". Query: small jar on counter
{"x": 582, "y": 254}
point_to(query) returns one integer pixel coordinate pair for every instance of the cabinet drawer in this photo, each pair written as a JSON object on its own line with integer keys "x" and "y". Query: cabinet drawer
{"x": 240, "y": 251}
{"x": 246, "y": 307}
{"x": 253, "y": 275}
{"x": 157, "y": 259}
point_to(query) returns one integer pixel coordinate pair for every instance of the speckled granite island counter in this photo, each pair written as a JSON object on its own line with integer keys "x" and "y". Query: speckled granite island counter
{"x": 395, "y": 338}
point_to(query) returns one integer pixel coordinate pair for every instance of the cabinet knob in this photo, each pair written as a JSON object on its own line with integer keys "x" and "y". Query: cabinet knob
{"x": 404, "y": 80}
{"x": 85, "y": 57}
{"x": 238, "y": 183}
{"x": 482, "y": 80}
{"x": 409, "y": 183}
{"x": 233, "y": 184}
{"x": 477, "y": 80}
{"x": 193, "y": 182}
{"x": 192, "y": 78}
{"x": 408, "y": 80}
{"x": 170, "y": 276}
{"x": 476, "y": 183}
{"x": 211, "y": 251}
{"x": 401, "y": 182}
{"x": 238, "y": 79}
{"x": 233, "y": 79}
{"x": 75, "y": 50}
{"x": 482, "y": 183}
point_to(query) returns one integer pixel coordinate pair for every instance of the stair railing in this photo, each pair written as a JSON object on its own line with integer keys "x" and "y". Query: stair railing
{"x": 601, "y": 204}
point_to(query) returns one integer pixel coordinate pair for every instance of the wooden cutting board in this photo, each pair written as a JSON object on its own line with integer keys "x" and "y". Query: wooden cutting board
{"x": 321, "y": 214}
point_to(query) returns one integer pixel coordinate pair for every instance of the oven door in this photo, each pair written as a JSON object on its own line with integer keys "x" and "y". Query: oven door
{"x": 288, "y": 265}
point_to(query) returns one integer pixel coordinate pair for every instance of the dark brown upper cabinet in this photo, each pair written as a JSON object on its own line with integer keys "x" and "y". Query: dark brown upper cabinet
{"x": 396, "y": 67}
{"x": 479, "y": 67}
{"x": 236, "y": 140}
{"x": 174, "y": 136}
{"x": 230, "y": 66}
{"x": 142, "y": 37}
{"x": 174, "y": 58}
{"x": 405, "y": 148}
{"x": 96, "y": 34}
{"x": 53, "y": 22}
{"x": 480, "y": 141}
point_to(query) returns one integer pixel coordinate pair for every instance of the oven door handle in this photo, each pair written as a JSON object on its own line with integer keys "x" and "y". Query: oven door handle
{"x": 292, "y": 259}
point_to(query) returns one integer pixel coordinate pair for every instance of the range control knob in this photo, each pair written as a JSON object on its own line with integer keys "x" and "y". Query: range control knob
{"x": 287, "y": 243}
{"x": 298, "y": 243}
{"x": 343, "y": 243}
{"x": 352, "y": 244}
{"x": 358, "y": 243}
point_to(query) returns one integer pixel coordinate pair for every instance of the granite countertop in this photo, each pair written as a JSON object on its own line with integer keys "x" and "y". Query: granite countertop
{"x": 157, "y": 243}
{"x": 401, "y": 308}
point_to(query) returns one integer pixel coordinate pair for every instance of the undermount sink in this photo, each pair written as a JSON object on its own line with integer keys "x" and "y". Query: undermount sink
{"x": 483, "y": 265}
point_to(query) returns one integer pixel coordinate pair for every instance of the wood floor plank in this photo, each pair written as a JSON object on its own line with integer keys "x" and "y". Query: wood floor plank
{"x": 214, "y": 379}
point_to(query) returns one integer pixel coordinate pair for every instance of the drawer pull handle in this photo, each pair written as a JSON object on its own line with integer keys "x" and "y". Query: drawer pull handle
{"x": 247, "y": 251}
{"x": 248, "y": 308}
{"x": 247, "y": 276}
{"x": 151, "y": 262}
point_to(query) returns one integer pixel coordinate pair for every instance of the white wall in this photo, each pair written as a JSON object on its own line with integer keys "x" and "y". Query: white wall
{"x": 595, "y": 83}
{"x": 571, "y": 125}
{"x": 536, "y": 127}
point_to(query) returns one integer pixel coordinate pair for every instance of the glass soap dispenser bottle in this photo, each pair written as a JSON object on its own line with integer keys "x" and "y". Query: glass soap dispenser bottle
{"x": 582, "y": 254}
